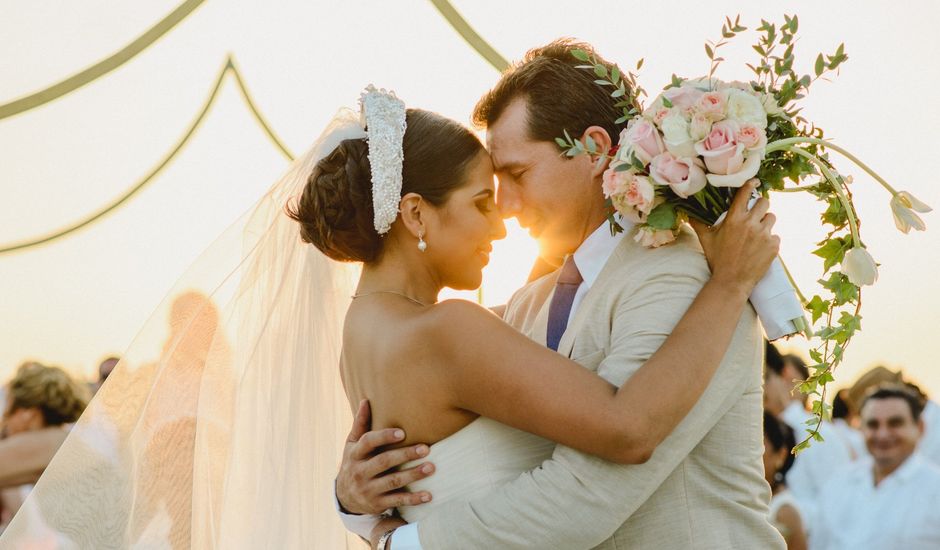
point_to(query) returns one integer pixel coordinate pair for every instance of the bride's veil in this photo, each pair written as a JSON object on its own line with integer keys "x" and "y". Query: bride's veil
{"x": 228, "y": 437}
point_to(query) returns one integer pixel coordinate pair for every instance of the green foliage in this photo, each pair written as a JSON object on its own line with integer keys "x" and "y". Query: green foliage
{"x": 662, "y": 217}
{"x": 728, "y": 31}
{"x": 624, "y": 84}
{"x": 798, "y": 164}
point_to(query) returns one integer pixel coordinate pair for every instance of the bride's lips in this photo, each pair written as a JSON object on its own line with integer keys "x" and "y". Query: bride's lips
{"x": 484, "y": 254}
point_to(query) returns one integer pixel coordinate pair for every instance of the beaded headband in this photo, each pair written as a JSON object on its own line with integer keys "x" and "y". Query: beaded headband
{"x": 382, "y": 115}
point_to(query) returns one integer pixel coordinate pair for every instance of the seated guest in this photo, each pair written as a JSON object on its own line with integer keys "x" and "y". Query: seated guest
{"x": 892, "y": 500}
{"x": 104, "y": 371}
{"x": 929, "y": 446}
{"x": 784, "y": 509}
{"x": 872, "y": 378}
{"x": 41, "y": 400}
{"x": 844, "y": 422}
{"x": 811, "y": 468}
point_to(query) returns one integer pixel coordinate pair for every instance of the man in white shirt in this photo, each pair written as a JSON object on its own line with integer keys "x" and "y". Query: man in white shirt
{"x": 891, "y": 500}
{"x": 929, "y": 446}
{"x": 844, "y": 422}
{"x": 811, "y": 468}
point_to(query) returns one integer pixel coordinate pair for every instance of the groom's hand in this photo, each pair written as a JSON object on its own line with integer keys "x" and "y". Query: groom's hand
{"x": 365, "y": 484}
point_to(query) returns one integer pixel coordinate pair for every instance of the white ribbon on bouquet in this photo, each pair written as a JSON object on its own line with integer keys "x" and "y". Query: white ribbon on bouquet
{"x": 774, "y": 299}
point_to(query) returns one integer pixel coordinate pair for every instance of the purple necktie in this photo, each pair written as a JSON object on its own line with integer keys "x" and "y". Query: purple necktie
{"x": 560, "y": 307}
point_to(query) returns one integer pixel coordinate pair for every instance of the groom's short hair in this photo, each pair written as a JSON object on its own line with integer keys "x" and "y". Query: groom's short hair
{"x": 559, "y": 95}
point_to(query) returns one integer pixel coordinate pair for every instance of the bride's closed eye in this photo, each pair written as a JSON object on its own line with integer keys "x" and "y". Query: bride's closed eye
{"x": 486, "y": 206}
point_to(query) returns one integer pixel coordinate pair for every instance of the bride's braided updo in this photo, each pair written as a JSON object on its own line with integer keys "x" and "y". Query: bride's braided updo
{"x": 335, "y": 210}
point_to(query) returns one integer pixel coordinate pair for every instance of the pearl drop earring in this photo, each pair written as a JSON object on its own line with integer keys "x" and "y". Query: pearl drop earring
{"x": 422, "y": 245}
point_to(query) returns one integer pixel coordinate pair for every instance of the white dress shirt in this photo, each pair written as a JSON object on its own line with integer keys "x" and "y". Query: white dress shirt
{"x": 590, "y": 257}
{"x": 813, "y": 467}
{"x": 850, "y": 437}
{"x": 903, "y": 511}
{"x": 929, "y": 446}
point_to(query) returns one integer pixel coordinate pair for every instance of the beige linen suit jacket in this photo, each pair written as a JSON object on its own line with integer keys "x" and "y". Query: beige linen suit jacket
{"x": 704, "y": 485}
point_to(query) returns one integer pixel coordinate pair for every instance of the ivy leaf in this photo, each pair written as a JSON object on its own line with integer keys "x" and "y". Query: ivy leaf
{"x": 818, "y": 307}
{"x": 800, "y": 447}
{"x": 850, "y": 323}
{"x": 842, "y": 289}
{"x": 832, "y": 252}
{"x": 835, "y": 215}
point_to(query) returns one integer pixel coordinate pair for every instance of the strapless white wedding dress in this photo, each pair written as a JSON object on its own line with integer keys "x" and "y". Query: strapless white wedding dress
{"x": 474, "y": 460}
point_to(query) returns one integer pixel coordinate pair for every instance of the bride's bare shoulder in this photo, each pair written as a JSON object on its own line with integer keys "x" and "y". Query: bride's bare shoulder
{"x": 453, "y": 324}
{"x": 456, "y": 310}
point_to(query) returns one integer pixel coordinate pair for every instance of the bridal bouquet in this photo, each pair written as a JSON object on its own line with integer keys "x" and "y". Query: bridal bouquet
{"x": 684, "y": 155}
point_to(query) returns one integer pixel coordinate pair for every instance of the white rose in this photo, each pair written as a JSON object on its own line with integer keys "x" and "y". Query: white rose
{"x": 701, "y": 126}
{"x": 744, "y": 107}
{"x": 770, "y": 105}
{"x": 676, "y": 135}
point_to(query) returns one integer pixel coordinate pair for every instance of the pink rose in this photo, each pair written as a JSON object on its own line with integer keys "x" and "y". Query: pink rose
{"x": 684, "y": 176}
{"x": 643, "y": 139}
{"x": 637, "y": 199}
{"x": 653, "y": 238}
{"x": 683, "y": 97}
{"x": 751, "y": 137}
{"x": 615, "y": 182}
{"x": 721, "y": 151}
{"x": 659, "y": 115}
{"x": 712, "y": 105}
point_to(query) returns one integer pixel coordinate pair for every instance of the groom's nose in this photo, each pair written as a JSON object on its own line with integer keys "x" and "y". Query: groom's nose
{"x": 508, "y": 200}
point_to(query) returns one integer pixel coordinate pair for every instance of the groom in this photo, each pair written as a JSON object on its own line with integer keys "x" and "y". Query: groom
{"x": 704, "y": 486}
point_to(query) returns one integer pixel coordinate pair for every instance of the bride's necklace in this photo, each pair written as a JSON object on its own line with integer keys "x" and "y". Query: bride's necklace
{"x": 405, "y": 296}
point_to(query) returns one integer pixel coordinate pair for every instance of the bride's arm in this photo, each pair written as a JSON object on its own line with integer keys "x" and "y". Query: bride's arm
{"x": 496, "y": 372}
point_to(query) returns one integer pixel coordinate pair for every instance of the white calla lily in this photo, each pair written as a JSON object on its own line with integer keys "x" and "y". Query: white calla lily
{"x": 903, "y": 206}
{"x": 860, "y": 267}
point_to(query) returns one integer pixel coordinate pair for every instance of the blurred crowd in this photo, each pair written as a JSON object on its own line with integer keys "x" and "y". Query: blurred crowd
{"x": 874, "y": 480}
{"x": 39, "y": 403}
{"x": 872, "y": 483}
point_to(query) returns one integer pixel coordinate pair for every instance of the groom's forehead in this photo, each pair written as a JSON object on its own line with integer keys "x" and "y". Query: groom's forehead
{"x": 506, "y": 153}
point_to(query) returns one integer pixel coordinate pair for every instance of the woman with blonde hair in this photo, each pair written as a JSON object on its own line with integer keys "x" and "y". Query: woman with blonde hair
{"x": 41, "y": 401}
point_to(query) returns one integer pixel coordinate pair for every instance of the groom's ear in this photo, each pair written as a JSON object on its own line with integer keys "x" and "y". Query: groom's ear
{"x": 603, "y": 143}
{"x": 410, "y": 207}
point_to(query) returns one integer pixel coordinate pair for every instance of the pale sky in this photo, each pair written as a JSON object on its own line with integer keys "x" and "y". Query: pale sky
{"x": 76, "y": 300}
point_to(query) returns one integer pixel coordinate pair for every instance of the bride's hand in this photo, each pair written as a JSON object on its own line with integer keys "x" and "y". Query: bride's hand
{"x": 739, "y": 251}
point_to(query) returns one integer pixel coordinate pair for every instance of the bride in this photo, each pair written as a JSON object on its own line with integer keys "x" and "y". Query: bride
{"x": 245, "y": 455}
